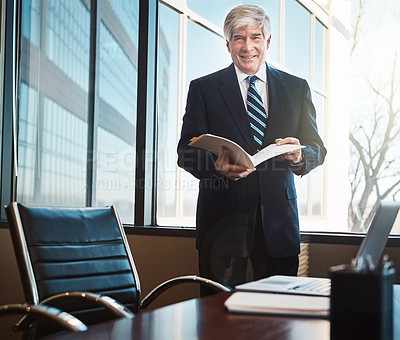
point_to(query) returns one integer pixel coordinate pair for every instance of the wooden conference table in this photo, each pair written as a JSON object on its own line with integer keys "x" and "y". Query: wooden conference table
{"x": 207, "y": 319}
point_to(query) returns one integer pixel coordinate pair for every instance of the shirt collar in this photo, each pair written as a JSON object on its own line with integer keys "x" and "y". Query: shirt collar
{"x": 261, "y": 74}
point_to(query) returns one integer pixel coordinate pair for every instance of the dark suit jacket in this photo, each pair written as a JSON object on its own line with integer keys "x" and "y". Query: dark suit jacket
{"x": 226, "y": 209}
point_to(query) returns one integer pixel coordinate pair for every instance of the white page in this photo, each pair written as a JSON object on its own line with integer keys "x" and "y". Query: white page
{"x": 274, "y": 150}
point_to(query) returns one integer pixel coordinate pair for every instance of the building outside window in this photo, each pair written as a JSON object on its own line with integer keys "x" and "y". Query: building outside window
{"x": 53, "y": 104}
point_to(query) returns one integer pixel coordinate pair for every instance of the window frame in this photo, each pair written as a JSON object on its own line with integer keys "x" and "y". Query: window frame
{"x": 11, "y": 27}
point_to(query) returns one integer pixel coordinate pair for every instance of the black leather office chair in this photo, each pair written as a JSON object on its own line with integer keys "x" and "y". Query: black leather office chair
{"x": 79, "y": 260}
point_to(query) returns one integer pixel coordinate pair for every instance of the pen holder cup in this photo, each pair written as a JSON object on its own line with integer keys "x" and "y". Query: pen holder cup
{"x": 361, "y": 303}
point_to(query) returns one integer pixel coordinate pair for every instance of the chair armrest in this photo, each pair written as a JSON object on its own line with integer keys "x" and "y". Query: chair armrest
{"x": 64, "y": 319}
{"x": 114, "y": 306}
{"x": 179, "y": 280}
{"x": 102, "y": 300}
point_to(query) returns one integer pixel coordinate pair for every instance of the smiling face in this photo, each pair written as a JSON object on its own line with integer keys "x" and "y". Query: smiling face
{"x": 247, "y": 48}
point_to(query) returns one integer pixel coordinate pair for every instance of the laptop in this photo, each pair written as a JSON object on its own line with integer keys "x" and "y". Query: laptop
{"x": 369, "y": 253}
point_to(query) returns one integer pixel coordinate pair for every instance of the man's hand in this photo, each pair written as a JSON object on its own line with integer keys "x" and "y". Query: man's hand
{"x": 231, "y": 171}
{"x": 294, "y": 157}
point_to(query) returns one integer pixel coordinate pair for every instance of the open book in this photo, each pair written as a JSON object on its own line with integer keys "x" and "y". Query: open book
{"x": 237, "y": 155}
{"x": 282, "y": 304}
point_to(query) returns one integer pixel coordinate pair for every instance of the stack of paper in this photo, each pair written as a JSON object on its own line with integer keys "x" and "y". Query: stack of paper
{"x": 287, "y": 304}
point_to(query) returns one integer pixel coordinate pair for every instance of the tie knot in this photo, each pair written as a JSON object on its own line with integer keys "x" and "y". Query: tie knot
{"x": 252, "y": 79}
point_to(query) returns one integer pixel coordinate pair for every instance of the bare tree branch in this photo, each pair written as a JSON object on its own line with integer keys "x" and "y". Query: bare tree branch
{"x": 356, "y": 32}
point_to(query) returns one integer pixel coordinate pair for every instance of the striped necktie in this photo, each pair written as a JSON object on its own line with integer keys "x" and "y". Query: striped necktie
{"x": 256, "y": 111}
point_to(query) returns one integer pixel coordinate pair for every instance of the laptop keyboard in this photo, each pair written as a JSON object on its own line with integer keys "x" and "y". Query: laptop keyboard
{"x": 317, "y": 286}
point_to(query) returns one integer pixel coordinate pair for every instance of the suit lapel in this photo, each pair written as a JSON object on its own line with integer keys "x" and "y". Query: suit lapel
{"x": 276, "y": 100}
{"x": 232, "y": 96}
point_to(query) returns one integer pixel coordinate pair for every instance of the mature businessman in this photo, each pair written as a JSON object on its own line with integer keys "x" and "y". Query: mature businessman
{"x": 249, "y": 213}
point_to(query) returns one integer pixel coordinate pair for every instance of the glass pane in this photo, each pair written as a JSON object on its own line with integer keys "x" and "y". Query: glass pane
{"x": 168, "y": 116}
{"x": 310, "y": 187}
{"x": 297, "y": 38}
{"x": 116, "y": 134}
{"x": 199, "y": 60}
{"x": 316, "y": 176}
{"x": 53, "y": 102}
{"x": 316, "y": 191}
{"x": 319, "y": 104}
{"x": 302, "y": 194}
{"x": 199, "y": 63}
{"x": 319, "y": 65}
{"x": 213, "y": 11}
{"x": 216, "y": 11}
{"x": 272, "y": 8}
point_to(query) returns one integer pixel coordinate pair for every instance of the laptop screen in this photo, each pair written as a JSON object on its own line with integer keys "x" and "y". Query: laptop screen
{"x": 375, "y": 240}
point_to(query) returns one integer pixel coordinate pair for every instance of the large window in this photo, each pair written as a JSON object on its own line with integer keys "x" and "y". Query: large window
{"x": 97, "y": 84}
{"x": 68, "y": 122}
{"x": 202, "y": 50}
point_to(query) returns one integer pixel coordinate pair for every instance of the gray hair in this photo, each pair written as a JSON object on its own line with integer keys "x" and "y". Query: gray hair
{"x": 246, "y": 15}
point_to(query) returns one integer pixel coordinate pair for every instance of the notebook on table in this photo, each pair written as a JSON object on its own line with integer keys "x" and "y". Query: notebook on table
{"x": 278, "y": 304}
{"x": 386, "y": 216}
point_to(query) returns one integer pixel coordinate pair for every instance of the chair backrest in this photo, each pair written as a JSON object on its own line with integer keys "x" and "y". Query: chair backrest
{"x": 73, "y": 249}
